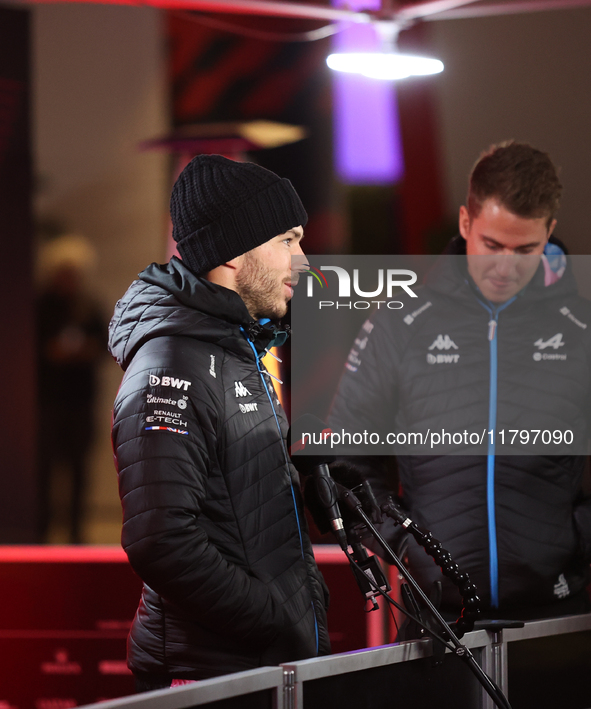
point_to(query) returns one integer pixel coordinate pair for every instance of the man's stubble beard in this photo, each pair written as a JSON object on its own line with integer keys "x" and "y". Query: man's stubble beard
{"x": 260, "y": 289}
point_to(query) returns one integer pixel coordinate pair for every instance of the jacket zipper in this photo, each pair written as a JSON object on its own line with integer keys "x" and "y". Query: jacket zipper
{"x": 285, "y": 456}
{"x": 490, "y": 458}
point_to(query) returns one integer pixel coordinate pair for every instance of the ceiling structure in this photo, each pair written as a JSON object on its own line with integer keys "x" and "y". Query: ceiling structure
{"x": 402, "y": 14}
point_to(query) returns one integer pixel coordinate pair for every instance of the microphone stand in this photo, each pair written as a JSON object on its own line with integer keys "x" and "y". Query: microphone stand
{"x": 470, "y": 601}
{"x": 348, "y": 498}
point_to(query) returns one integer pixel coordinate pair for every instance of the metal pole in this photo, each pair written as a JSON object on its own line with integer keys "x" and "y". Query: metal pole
{"x": 494, "y": 663}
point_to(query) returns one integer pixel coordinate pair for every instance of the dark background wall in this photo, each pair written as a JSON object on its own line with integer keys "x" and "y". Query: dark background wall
{"x": 100, "y": 89}
{"x": 17, "y": 371}
{"x": 525, "y": 77}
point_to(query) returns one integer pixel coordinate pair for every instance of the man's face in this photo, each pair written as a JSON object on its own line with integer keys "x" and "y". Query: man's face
{"x": 264, "y": 278}
{"x": 503, "y": 250}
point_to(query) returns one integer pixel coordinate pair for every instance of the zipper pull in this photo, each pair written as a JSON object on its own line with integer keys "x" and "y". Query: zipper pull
{"x": 273, "y": 377}
{"x": 272, "y": 355}
{"x": 492, "y": 326}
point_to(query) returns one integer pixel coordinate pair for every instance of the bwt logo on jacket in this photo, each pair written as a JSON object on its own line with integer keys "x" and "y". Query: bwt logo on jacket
{"x": 169, "y": 382}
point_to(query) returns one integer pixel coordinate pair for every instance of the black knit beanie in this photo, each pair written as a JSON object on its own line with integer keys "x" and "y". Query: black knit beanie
{"x": 221, "y": 209}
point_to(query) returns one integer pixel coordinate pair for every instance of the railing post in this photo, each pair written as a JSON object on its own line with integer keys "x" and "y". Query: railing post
{"x": 290, "y": 696}
{"x": 494, "y": 663}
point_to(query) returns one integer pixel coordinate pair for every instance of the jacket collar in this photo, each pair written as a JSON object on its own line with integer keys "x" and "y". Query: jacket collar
{"x": 215, "y": 300}
{"x": 450, "y": 276}
{"x": 197, "y": 292}
{"x": 170, "y": 300}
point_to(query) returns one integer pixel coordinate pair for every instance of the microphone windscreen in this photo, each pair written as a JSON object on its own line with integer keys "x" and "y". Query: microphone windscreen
{"x": 346, "y": 473}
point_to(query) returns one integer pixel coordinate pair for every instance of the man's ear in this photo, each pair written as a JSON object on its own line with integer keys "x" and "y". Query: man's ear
{"x": 551, "y": 228}
{"x": 464, "y": 222}
{"x": 225, "y": 275}
{"x": 235, "y": 263}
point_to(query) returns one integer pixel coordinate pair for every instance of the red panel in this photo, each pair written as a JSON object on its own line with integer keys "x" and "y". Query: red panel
{"x": 62, "y": 554}
{"x": 63, "y": 641}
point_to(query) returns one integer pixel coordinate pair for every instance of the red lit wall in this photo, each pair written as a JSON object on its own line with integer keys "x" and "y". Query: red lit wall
{"x": 67, "y": 611}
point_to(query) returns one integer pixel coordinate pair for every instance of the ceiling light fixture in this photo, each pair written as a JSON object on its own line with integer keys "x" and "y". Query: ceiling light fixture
{"x": 389, "y": 64}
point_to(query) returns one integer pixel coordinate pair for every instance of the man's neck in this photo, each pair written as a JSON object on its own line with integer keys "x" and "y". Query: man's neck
{"x": 223, "y": 275}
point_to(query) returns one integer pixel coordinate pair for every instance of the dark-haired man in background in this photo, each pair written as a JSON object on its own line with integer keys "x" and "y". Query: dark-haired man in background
{"x": 519, "y": 525}
{"x": 212, "y": 514}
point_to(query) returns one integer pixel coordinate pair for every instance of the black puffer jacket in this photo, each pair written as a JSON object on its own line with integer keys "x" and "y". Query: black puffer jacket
{"x": 212, "y": 520}
{"x": 518, "y": 524}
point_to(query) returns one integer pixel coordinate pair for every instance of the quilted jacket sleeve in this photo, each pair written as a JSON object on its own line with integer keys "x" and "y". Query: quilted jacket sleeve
{"x": 367, "y": 395}
{"x": 162, "y": 482}
{"x": 367, "y": 399}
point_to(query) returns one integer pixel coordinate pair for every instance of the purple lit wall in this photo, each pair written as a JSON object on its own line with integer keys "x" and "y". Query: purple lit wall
{"x": 368, "y": 147}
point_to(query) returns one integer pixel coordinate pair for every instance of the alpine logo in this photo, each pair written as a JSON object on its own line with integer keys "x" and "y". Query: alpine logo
{"x": 247, "y": 408}
{"x": 169, "y": 382}
{"x": 241, "y": 390}
{"x": 555, "y": 342}
{"x": 443, "y": 342}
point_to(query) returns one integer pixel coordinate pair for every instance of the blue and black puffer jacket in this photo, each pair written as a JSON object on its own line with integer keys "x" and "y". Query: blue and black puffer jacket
{"x": 212, "y": 516}
{"x": 450, "y": 361}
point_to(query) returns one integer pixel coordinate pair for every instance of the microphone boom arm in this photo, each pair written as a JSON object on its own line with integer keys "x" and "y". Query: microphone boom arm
{"x": 433, "y": 547}
{"x": 348, "y": 498}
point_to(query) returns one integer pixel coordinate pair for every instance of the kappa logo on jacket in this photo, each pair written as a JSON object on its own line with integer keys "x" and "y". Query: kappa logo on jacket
{"x": 169, "y": 382}
{"x": 241, "y": 390}
{"x": 443, "y": 342}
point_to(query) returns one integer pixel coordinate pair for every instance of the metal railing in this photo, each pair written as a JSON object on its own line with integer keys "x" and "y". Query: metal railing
{"x": 412, "y": 673}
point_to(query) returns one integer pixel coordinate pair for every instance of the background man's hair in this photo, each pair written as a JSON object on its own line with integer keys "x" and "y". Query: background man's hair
{"x": 523, "y": 179}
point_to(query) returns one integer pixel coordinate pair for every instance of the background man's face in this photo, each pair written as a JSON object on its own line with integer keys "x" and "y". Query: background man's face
{"x": 264, "y": 280}
{"x": 503, "y": 250}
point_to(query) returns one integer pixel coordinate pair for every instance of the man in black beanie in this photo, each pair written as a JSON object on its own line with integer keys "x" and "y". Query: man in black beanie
{"x": 212, "y": 512}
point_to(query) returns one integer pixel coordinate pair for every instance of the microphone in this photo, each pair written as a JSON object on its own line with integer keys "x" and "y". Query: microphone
{"x": 328, "y": 496}
{"x": 308, "y": 432}
{"x": 348, "y": 474}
